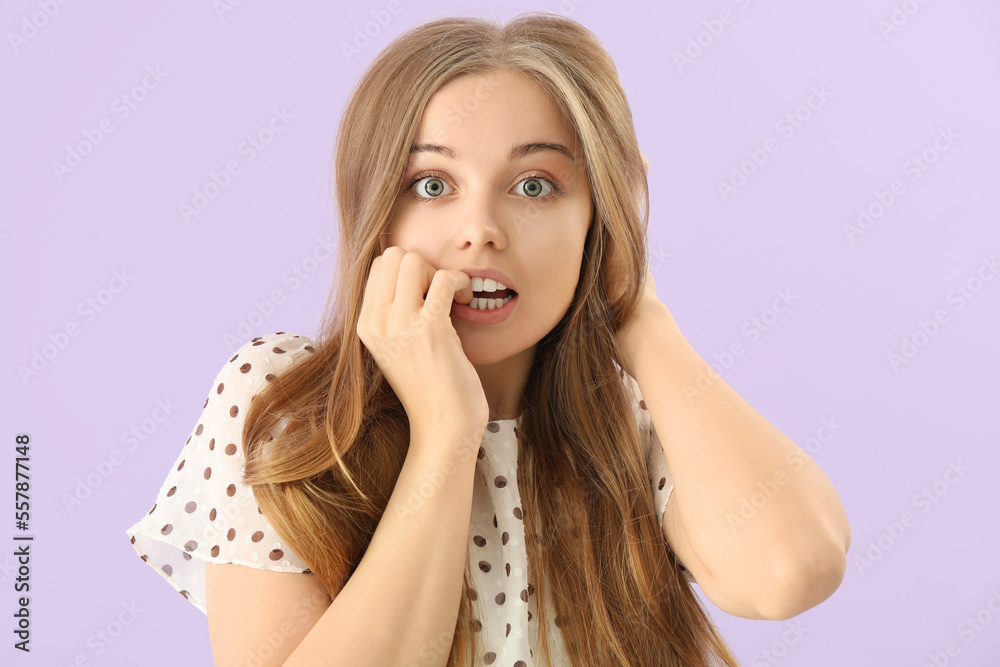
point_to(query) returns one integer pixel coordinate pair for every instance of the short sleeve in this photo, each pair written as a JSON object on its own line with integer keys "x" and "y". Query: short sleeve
{"x": 661, "y": 482}
{"x": 203, "y": 512}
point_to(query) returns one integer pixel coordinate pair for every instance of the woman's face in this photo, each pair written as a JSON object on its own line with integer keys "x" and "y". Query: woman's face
{"x": 475, "y": 206}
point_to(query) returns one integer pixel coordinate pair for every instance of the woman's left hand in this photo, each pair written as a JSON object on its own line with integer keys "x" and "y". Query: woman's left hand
{"x": 649, "y": 308}
{"x": 649, "y": 303}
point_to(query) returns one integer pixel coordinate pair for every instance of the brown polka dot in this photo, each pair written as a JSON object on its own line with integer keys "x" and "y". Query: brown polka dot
{"x": 260, "y": 511}
{"x": 231, "y": 490}
{"x": 479, "y": 540}
{"x": 185, "y": 594}
{"x": 211, "y": 445}
{"x": 642, "y": 404}
{"x": 234, "y": 357}
{"x": 500, "y": 482}
{"x": 233, "y": 411}
{"x": 220, "y": 388}
{"x": 167, "y": 570}
{"x": 203, "y": 406}
{"x": 259, "y": 342}
{"x": 524, "y": 594}
{"x": 186, "y": 555}
{"x": 166, "y": 529}
{"x": 172, "y": 491}
{"x": 488, "y": 658}
{"x": 495, "y": 521}
{"x": 245, "y": 368}
{"x": 493, "y": 427}
{"x": 484, "y": 566}
{"x": 256, "y": 338}
{"x": 481, "y": 453}
{"x": 517, "y": 513}
{"x": 473, "y": 594}
{"x": 559, "y": 621}
{"x": 277, "y": 350}
{"x": 180, "y": 465}
{"x": 215, "y": 551}
{"x": 208, "y": 472}
{"x": 257, "y": 536}
{"x": 144, "y": 558}
{"x": 201, "y": 427}
{"x": 276, "y": 554}
{"x": 309, "y": 348}
{"x": 133, "y": 540}
{"x": 477, "y": 625}
{"x": 270, "y": 378}
{"x": 191, "y": 506}
{"x": 500, "y": 598}
{"x": 663, "y": 483}
{"x": 507, "y": 567}
{"x": 529, "y": 618}
{"x": 505, "y": 537}
{"x": 508, "y": 631}
{"x": 153, "y": 508}
{"x": 531, "y": 588}
{"x": 231, "y": 535}
{"x": 211, "y": 515}
{"x": 231, "y": 448}
{"x": 190, "y": 545}
{"x": 521, "y": 663}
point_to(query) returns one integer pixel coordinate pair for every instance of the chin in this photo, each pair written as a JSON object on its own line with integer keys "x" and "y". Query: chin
{"x": 479, "y": 357}
{"x": 485, "y": 351}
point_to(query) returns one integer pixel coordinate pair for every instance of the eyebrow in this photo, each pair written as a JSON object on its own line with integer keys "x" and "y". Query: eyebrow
{"x": 516, "y": 152}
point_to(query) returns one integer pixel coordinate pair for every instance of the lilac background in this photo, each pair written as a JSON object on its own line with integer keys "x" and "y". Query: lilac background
{"x": 718, "y": 263}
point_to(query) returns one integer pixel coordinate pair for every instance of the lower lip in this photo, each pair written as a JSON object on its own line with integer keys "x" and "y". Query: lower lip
{"x": 476, "y": 316}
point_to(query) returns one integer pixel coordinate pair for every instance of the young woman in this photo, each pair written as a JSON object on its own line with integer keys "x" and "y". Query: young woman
{"x": 470, "y": 464}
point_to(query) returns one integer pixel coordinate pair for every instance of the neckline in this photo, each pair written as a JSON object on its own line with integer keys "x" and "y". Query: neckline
{"x": 506, "y": 421}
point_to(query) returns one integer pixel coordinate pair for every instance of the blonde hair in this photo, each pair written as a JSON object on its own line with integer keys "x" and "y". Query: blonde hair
{"x": 592, "y": 535}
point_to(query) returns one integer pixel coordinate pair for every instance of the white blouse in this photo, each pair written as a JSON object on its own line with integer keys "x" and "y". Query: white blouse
{"x": 203, "y": 512}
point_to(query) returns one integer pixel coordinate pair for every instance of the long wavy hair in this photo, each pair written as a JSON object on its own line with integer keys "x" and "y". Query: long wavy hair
{"x": 592, "y": 537}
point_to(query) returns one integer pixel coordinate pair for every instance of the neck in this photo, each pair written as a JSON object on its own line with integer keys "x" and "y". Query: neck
{"x": 504, "y": 381}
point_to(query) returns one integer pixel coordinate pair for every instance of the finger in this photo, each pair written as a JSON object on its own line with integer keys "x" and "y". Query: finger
{"x": 415, "y": 275}
{"x": 463, "y": 292}
{"x": 368, "y": 300}
{"x": 385, "y": 291}
{"x": 444, "y": 285}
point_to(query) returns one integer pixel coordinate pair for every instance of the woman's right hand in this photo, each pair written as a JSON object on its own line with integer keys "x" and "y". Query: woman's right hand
{"x": 415, "y": 344}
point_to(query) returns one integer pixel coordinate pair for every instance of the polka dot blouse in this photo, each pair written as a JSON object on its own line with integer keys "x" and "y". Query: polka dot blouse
{"x": 203, "y": 512}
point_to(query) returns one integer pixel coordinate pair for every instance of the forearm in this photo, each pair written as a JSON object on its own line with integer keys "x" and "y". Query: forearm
{"x": 401, "y": 604}
{"x": 724, "y": 458}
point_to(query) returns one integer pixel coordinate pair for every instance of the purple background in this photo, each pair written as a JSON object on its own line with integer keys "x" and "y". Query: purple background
{"x": 719, "y": 262}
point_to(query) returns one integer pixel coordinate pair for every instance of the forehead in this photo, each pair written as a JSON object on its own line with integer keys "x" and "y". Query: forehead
{"x": 477, "y": 114}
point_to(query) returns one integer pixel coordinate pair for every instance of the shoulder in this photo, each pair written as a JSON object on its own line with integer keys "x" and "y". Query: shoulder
{"x": 266, "y": 355}
{"x": 204, "y": 513}
{"x": 634, "y": 394}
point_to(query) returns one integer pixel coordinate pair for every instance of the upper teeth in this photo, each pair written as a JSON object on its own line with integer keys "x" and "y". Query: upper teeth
{"x": 486, "y": 285}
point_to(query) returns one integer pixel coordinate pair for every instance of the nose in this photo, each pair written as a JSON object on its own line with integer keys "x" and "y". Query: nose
{"x": 480, "y": 224}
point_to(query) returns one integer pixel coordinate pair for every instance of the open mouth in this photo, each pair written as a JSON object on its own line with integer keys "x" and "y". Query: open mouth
{"x": 491, "y": 300}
